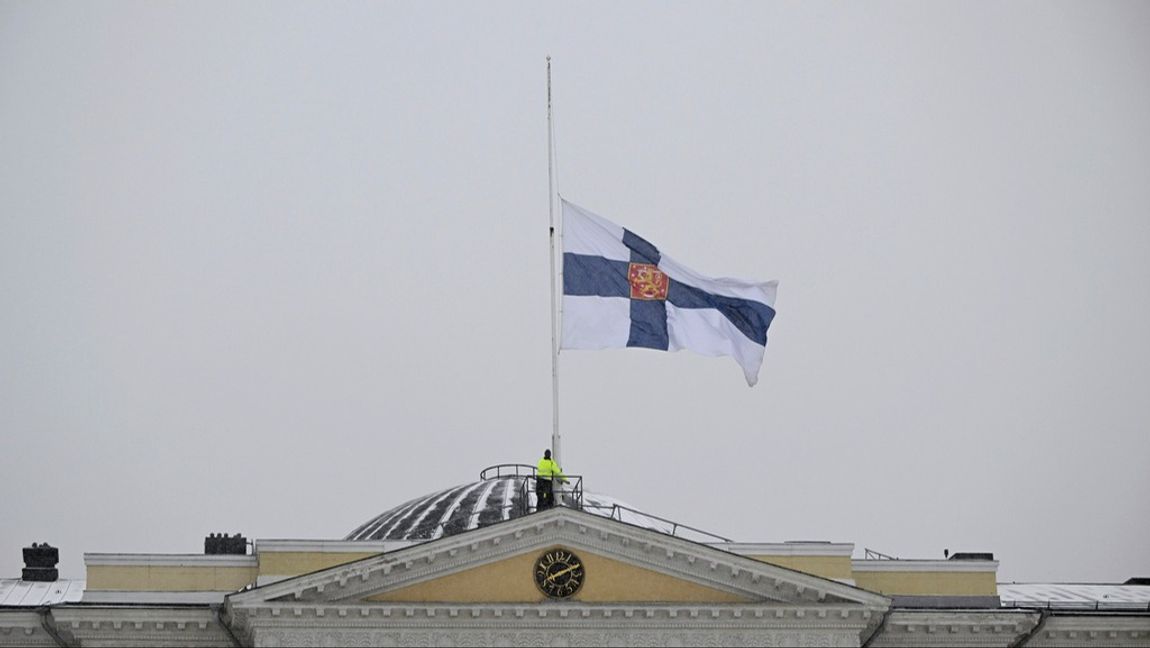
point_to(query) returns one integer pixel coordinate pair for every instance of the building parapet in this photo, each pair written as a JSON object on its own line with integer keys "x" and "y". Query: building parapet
{"x": 168, "y": 560}
{"x": 901, "y": 565}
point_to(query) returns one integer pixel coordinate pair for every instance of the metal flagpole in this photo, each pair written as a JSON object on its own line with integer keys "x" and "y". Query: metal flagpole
{"x": 555, "y": 439}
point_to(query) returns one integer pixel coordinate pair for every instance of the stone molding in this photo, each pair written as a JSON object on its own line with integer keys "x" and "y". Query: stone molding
{"x": 329, "y": 607}
{"x": 729, "y": 625}
{"x": 23, "y": 628}
{"x": 168, "y": 560}
{"x": 566, "y": 624}
{"x": 955, "y": 628}
{"x": 544, "y": 637}
{"x": 1093, "y": 629}
{"x": 149, "y": 597}
{"x": 925, "y": 565}
{"x": 641, "y": 547}
{"x": 435, "y": 614}
{"x": 139, "y": 626}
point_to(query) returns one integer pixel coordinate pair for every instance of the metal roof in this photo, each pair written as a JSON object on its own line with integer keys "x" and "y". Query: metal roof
{"x": 485, "y": 502}
{"x": 21, "y": 593}
{"x": 1075, "y": 596}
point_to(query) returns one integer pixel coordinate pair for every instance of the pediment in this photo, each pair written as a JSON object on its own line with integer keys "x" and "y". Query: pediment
{"x": 511, "y": 580}
{"x": 624, "y": 564}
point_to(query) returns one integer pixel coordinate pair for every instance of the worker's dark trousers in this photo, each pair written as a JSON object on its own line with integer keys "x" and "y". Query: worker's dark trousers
{"x": 545, "y": 498}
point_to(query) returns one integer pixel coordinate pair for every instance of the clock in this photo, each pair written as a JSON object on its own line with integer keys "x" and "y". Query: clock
{"x": 559, "y": 573}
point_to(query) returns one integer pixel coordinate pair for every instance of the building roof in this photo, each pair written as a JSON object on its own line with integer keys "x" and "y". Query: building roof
{"x": 1075, "y": 596}
{"x": 15, "y": 592}
{"x": 486, "y": 502}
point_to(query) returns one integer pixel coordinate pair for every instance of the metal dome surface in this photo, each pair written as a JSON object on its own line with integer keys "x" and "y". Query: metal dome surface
{"x": 479, "y": 504}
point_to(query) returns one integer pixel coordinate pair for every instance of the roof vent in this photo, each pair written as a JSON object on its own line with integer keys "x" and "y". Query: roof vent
{"x": 965, "y": 555}
{"x": 222, "y": 543}
{"x": 40, "y": 563}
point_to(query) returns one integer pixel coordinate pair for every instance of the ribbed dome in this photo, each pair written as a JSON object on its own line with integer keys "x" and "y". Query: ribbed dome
{"x": 478, "y": 504}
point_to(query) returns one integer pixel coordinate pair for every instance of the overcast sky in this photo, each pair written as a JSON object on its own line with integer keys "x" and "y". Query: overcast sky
{"x": 275, "y": 268}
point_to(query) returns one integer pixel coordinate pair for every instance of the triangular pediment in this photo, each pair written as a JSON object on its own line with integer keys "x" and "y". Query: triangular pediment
{"x": 601, "y": 579}
{"x": 623, "y": 563}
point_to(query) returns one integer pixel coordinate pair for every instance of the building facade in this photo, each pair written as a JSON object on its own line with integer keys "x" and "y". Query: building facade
{"x": 446, "y": 571}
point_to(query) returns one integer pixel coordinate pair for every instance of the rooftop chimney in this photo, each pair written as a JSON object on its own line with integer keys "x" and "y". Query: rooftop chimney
{"x": 40, "y": 563}
{"x": 222, "y": 543}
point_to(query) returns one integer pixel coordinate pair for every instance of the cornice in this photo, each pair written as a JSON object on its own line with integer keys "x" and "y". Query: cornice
{"x": 956, "y": 627}
{"x": 330, "y": 546}
{"x": 148, "y": 597}
{"x": 118, "y": 625}
{"x": 144, "y": 613}
{"x": 650, "y": 549}
{"x": 692, "y": 616}
{"x": 169, "y": 560}
{"x": 22, "y": 627}
{"x": 1082, "y": 626}
{"x": 988, "y": 566}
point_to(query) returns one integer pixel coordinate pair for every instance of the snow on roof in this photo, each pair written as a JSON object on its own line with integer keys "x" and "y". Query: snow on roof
{"x": 1075, "y": 596}
{"x": 488, "y": 501}
{"x": 16, "y": 592}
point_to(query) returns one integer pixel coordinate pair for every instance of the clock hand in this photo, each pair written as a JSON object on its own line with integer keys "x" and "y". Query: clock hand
{"x": 562, "y": 571}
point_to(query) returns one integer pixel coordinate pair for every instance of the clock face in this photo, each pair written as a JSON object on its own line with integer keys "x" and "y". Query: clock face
{"x": 559, "y": 573}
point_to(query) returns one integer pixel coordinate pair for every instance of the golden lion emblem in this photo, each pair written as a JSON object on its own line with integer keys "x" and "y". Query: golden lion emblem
{"x": 647, "y": 282}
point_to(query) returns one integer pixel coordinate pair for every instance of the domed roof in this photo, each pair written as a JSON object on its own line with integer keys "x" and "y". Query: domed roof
{"x": 479, "y": 504}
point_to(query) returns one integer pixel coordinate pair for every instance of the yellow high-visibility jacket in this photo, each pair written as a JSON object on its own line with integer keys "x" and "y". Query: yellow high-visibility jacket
{"x": 548, "y": 469}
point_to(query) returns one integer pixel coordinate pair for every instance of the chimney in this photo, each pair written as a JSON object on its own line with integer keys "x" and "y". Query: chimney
{"x": 40, "y": 563}
{"x": 222, "y": 543}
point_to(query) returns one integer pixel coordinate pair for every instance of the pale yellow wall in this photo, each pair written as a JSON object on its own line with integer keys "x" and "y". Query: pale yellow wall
{"x": 160, "y": 578}
{"x": 168, "y": 578}
{"x": 512, "y": 581}
{"x": 294, "y": 563}
{"x": 825, "y": 566}
{"x": 928, "y": 583}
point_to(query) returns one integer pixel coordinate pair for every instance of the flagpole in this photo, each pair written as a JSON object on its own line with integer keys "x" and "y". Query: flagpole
{"x": 555, "y": 438}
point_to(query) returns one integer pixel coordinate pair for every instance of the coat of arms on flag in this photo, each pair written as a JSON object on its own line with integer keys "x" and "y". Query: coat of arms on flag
{"x": 620, "y": 291}
{"x": 647, "y": 281}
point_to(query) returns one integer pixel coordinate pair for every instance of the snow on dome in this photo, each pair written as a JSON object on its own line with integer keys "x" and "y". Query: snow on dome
{"x": 480, "y": 504}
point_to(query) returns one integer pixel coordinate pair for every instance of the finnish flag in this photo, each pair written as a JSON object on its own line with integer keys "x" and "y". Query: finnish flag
{"x": 620, "y": 291}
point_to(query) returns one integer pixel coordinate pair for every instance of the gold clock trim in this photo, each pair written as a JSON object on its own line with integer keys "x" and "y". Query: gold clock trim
{"x": 559, "y": 573}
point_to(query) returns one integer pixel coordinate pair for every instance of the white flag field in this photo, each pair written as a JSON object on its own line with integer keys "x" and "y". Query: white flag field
{"x": 620, "y": 291}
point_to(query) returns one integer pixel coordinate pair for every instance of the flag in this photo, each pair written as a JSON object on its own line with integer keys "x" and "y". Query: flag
{"x": 620, "y": 291}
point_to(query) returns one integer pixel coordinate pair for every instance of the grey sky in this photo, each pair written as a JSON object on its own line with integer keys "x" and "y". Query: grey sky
{"x": 274, "y": 268}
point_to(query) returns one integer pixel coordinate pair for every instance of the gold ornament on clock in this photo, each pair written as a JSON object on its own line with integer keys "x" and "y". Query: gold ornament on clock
{"x": 559, "y": 573}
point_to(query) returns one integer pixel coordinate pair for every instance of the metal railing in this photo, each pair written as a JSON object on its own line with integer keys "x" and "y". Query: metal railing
{"x": 570, "y": 494}
{"x": 1078, "y": 605}
{"x": 871, "y": 554}
{"x": 499, "y": 471}
{"x": 617, "y": 514}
